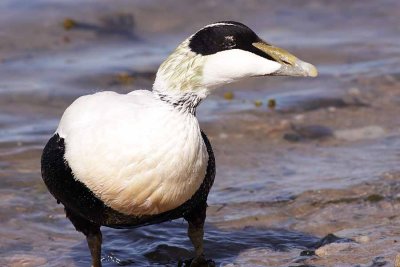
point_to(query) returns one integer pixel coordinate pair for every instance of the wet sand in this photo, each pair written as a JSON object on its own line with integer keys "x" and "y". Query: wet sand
{"x": 324, "y": 160}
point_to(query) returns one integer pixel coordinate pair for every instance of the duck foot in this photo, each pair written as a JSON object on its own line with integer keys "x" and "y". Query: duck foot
{"x": 199, "y": 261}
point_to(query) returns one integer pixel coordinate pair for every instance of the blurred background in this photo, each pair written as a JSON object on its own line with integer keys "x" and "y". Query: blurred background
{"x": 297, "y": 159}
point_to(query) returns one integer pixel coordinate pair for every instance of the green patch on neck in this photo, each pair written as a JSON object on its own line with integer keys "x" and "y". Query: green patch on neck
{"x": 182, "y": 70}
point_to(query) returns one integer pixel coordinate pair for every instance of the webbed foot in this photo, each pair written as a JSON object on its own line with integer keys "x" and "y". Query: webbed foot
{"x": 201, "y": 261}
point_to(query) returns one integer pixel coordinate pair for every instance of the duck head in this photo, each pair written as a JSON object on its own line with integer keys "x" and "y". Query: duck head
{"x": 222, "y": 53}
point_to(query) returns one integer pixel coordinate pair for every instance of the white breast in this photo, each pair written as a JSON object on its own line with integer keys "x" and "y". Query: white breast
{"x": 136, "y": 153}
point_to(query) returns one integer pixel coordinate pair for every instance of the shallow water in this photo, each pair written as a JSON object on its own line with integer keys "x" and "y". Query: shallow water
{"x": 257, "y": 211}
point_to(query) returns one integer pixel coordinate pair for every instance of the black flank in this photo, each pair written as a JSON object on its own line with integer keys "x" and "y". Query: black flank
{"x": 79, "y": 200}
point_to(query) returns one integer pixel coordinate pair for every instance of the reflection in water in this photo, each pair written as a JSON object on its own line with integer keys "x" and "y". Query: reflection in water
{"x": 140, "y": 246}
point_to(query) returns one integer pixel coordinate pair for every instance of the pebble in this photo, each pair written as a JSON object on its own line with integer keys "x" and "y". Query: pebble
{"x": 362, "y": 239}
{"x": 229, "y": 96}
{"x": 223, "y": 136}
{"x": 68, "y": 24}
{"x": 334, "y": 248}
{"x": 332, "y": 109}
{"x": 284, "y": 124}
{"x": 125, "y": 78}
{"x": 272, "y": 103}
{"x": 368, "y": 132}
{"x": 354, "y": 91}
{"x": 258, "y": 103}
{"x": 299, "y": 117}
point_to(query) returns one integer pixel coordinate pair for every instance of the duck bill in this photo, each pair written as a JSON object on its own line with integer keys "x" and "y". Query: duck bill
{"x": 300, "y": 68}
{"x": 290, "y": 64}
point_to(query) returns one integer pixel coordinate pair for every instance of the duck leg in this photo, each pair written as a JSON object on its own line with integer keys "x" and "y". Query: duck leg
{"x": 94, "y": 239}
{"x": 196, "y": 220}
{"x": 92, "y": 233}
{"x": 196, "y": 234}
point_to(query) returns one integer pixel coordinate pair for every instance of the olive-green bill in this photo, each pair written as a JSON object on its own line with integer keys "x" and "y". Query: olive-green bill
{"x": 290, "y": 64}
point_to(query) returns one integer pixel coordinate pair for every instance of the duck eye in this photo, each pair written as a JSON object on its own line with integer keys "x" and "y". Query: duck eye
{"x": 229, "y": 42}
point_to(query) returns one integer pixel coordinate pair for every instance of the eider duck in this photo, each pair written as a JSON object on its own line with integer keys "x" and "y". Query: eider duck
{"x": 129, "y": 160}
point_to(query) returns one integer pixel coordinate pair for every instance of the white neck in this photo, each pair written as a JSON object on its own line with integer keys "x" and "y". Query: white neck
{"x": 179, "y": 79}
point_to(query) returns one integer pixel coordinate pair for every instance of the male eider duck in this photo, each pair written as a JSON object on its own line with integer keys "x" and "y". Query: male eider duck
{"x": 129, "y": 160}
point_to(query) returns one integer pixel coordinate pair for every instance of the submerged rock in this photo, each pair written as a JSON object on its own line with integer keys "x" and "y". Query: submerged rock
{"x": 374, "y": 198}
{"x": 308, "y": 132}
{"x": 323, "y": 248}
{"x": 121, "y": 24}
{"x": 331, "y": 238}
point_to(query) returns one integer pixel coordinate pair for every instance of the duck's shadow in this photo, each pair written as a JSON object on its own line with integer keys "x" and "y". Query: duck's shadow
{"x": 166, "y": 244}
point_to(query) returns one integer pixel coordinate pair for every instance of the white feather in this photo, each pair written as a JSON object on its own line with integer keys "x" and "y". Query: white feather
{"x": 233, "y": 65}
{"x": 135, "y": 152}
